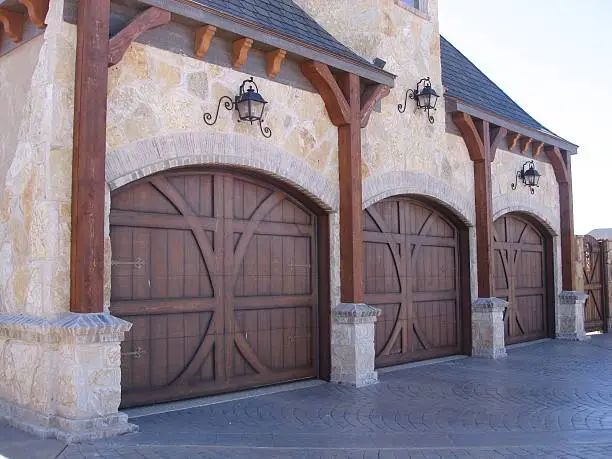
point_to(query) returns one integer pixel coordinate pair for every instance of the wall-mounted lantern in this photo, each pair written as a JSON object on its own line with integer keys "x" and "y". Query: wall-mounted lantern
{"x": 249, "y": 104}
{"x": 529, "y": 175}
{"x": 426, "y": 98}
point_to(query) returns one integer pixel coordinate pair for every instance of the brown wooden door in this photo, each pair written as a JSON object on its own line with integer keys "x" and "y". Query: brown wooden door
{"x": 217, "y": 273}
{"x": 412, "y": 274}
{"x": 521, "y": 277}
{"x": 593, "y": 269}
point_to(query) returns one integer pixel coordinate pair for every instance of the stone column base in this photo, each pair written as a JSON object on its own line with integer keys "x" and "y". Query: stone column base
{"x": 352, "y": 344}
{"x": 61, "y": 377}
{"x": 570, "y": 317}
{"x": 488, "y": 338}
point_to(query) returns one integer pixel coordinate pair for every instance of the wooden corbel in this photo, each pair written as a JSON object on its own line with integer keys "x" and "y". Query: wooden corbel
{"x": 497, "y": 135}
{"x": 240, "y": 52}
{"x": 322, "y": 79}
{"x": 12, "y": 23}
{"x": 149, "y": 19}
{"x": 471, "y": 136}
{"x": 537, "y": 149}
{"x": 369, "y": 100}
{"x": 274, "y": 60}
{"x": 203, "y": 38}
{"x": 525, "y": 144}
{"x": 513, "y": 140}
{"x": 37, "y": 11}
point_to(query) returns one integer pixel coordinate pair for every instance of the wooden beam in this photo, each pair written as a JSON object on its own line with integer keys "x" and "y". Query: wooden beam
{"x": 88, "y": 163}
{"x": 513, "y": 140}
{"x": 149, "y": 19}
{"x": 372, "y": 95}
{"x": 349, "y": 170}
{"x": 12, "y": 23}
{"x": 240, "y": 52}
{"x": 525, "y": 144}
{"x": 537, "y": 149}
{"x": 274, "y": 60}
{"x": 497, "y": 135}
{"x": 37, "y": 11}
{"x": 472, "y": 138}
{"x": 562, "y": 166}
{"x": 203, "y": 39}
{"x": 322, "y": 79}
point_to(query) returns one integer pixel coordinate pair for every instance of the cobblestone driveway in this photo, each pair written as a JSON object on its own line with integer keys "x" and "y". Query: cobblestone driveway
{"x": 551, "y": 399}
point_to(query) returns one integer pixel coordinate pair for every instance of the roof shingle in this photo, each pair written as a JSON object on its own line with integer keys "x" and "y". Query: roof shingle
{"x": 464, "y": 81}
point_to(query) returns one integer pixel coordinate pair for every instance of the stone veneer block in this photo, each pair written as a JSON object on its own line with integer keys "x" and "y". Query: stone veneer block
{"x": 488, "y": 328}
{"x": 352, "y": 344}
{"x": 570, "y": 316}
{"x": 68, "y": 386}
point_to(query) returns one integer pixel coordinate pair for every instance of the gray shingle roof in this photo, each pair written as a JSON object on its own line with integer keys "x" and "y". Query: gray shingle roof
{"x": 464, "y": 81}
{"x": 602, "y": 233}
{"x": 286, "y": 18}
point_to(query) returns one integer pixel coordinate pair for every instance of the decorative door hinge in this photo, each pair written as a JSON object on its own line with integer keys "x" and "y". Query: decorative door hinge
{"x": 137, "y": 354}
{"x": 139, "y": 263}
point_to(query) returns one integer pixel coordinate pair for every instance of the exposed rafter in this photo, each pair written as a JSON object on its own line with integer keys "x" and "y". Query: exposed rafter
{"x": 537, "y": 149}
{"x": 525, "y": 144}
{"x": 149, "y": 19}
{"x": 203, "y": 39}
{"x": 513, "y": 140}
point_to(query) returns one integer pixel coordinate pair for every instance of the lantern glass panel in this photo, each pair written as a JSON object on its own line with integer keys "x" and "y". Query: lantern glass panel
{"x": 532, "y": 177}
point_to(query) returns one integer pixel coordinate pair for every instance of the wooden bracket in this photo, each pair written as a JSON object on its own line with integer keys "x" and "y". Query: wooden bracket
{"x": 558, "y": 163}
{"x": 13, "y": 24}
{"x": 37, "y": 11}
{"x": 274, "y": 60}
{"x": 470, "y": 134}
{"x": 537, "y": 149}
{"x": 322, "y": 79}
{"x": 497, "y": 135}
{"x": 369, "y": 100}
{"x": 240, "y": 49}
{"x": 513, "y": 140}
{"x": 149, "y": 19}
{"x": 203, "y": 38}
{"x": 525, "y": 144}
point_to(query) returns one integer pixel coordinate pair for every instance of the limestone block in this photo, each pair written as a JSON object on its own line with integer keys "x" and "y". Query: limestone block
{"x": 569, "y": 316}
{"x": 488, "y": 328}
{"x": 62, "y": 378}
{"x": 352, "y": 344}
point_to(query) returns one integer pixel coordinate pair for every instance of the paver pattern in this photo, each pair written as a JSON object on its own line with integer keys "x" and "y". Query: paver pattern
{"x": 551, "y": 399}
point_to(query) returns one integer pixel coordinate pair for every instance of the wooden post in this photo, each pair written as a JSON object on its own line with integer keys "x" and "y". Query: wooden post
{"x": 91, "y": 83}
{"x": 349, "y": 165}
{"x": 561, "y": 163}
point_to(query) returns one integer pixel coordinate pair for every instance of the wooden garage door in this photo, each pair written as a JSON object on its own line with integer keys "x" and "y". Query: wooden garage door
{"x": 412, "y": 274}
{"x": 593, "y": 271}
{"x": 217, "y": 273}
{"x": 521, "y": 278}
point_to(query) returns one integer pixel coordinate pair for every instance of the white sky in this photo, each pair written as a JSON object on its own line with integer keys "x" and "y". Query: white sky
{"x": 554, "y": 58}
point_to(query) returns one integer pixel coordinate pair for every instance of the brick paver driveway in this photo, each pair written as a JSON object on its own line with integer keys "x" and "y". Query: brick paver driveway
{"x": 550, "y": 399}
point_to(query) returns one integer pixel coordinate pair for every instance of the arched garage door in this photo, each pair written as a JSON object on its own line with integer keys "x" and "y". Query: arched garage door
{"x": 413, "y": 267}
{"x": 218, "y": 274}
{"x": 522, "y": 266}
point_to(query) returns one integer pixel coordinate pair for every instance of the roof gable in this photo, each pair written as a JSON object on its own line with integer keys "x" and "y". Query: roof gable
{"x": 464, "y": 81}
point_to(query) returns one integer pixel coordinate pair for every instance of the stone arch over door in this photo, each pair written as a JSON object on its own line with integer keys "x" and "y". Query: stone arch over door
{"x": 225, "y": 275}
{"x": 417, "y": 270}
{"x": 524, "y": 275}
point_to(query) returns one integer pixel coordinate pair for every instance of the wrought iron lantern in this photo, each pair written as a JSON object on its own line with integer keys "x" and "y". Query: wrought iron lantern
{"x": 249, "y": 104}
{"x": 426, "y": 98}
{"x": 529, "y": 175}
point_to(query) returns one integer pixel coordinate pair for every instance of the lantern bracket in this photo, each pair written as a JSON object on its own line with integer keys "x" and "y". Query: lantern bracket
{"x": 229, "y": 104}
{"x": 415, "y": 94}
{"x": 528, "y": 175}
